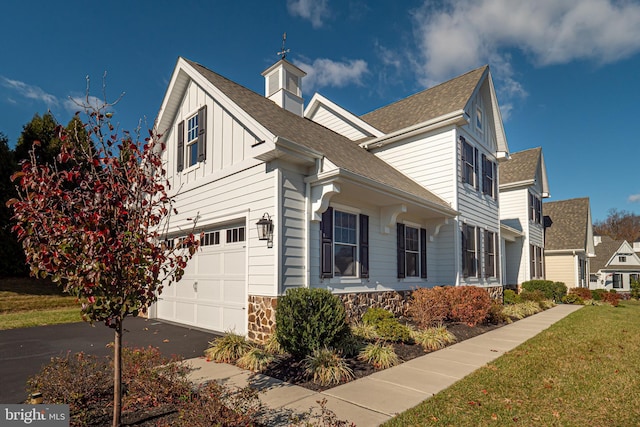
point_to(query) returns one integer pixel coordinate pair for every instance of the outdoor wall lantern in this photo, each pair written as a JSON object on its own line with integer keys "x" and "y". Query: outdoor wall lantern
{"x": 265, "y": 229}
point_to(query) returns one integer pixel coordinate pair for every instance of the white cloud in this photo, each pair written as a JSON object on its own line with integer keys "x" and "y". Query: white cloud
{"x": 459, "y": 35}
{"x": 325, "y": 72}
{"x": 28, "y": 91}
{"x": 634, "y": 198}
{"x": 313, "y": 10}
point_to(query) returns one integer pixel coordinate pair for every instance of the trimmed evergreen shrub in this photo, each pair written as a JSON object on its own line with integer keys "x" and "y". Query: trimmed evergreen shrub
{"x": 596, "y": 294}
{"x": 510, "y": 296}
{"x": 374, "y": 315}
{"x": 392, "y": 330}
{"x": 308, "y": 320}
{"x": 551, "y": 290}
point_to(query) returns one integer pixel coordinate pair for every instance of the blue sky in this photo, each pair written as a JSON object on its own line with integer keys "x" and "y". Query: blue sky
{"x": 567, "y": 73}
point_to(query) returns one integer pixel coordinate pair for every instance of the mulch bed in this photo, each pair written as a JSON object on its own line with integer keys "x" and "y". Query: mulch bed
{"x": 287, "y": 368}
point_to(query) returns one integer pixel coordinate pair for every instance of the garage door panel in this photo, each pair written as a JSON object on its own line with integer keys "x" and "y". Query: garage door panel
{"x": 210, "y": 289}
{"x": 210, "y": 263}
{"x": 234, "y": 291}
{"x": 184, "y": 288}
{"x": 233, "y": 320}
{"x": 184, "y": 312}
{"x": 234, "y": 262}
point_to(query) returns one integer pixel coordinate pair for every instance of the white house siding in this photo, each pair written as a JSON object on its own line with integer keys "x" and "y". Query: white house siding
{"x": 292, "y": 218}
{"x": 337, "y": 123}
{"x": 427, "y": 159}
{"x": 561, "y": 268}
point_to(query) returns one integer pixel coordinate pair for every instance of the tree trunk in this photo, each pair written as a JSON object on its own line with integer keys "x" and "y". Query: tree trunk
{"x": 117, "y": 375}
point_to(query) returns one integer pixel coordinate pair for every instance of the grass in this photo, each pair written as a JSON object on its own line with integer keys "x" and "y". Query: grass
{"x": 583, "y": 370}
{"x": 26, "y": 302}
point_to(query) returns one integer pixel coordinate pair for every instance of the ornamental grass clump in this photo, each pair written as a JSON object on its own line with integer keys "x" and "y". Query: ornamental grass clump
{"x": 433, "y": 338}
{"x": 255, "y": 360}
{"x": 380, "y": 355}
{"x": 327, "y": 367}
{"x": 365, "y": 331}
{"x": 227, "y": 349}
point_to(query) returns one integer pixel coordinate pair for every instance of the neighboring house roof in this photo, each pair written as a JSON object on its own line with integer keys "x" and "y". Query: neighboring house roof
{"x": 606, "y": 250}
{"x": 339, "y": 150}
{"x": 431, "y": 103}
{"x": 522, "y": 166}
{"x": 567, "y": 224}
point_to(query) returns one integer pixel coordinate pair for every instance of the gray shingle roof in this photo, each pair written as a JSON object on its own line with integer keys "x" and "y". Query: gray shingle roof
{"x": 340, "y": 150}
{"x": 447, "y": 97}
{"x": 568, "y": 227}
{"x": 522, "y": 166}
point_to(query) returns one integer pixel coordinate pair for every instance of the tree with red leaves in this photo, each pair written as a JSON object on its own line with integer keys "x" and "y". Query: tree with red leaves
{"x": 94, "y": 222}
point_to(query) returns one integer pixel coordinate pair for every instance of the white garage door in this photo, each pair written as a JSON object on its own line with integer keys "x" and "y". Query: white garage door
{"x": 212, "y": 292}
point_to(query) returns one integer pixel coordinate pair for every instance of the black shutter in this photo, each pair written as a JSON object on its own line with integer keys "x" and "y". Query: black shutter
{"x": 477, "y": 257}
{"x": 326, "y": 244}
{"x": 465, "y": 267}
{"x": 486, "y": 253}
{"x": 485, "y": 180}
{"x": 202, "y": 133}
{"x": 496, "y": 251}
{"x": 364, "y": 246}
{"x": 463, "y": 160}
{"x": 495, "y": 180}
{"x": 180, "y": 153}
{"x": 475, "y": 166}
{"x": 423, "y": 253}
{"x": 401, "y": 253}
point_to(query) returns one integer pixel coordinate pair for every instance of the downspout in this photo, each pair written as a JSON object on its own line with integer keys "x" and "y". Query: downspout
{"x": 576, "y": 268}
{"x": 307, "y": 240}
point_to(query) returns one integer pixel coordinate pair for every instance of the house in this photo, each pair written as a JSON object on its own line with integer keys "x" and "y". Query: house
{"x": 523, "y": 186}
{"x": 568, "y": 241}
{"x": 368, "y": 207}
{"x": 615, "y": 265}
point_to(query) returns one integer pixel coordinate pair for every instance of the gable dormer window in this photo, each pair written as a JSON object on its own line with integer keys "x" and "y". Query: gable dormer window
{"x": 195, "y": 149}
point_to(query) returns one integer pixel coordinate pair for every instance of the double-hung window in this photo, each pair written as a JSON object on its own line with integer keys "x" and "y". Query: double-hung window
{"x": 344, "y": 244}
{"x": 412, "y": 251}
{"x": 490, "y": 254}
{"x": 489, "y": 179}
{"x": 469, "y": 163}
{"x": 535, "y": 208}
{"x": 536, "y": 261}
{"x": 192, "y": 140}
{"x": 469, "y": 251}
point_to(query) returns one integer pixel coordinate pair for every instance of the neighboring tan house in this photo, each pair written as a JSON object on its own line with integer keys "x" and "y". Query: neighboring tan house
{"x": 615, "y": 265}
{"x": 568, "y": 242}
{"x": 367, "y": 207}
{"x": 523, "y": 186}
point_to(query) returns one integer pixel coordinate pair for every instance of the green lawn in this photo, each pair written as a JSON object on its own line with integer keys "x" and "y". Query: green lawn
{"x": 582, "y": 371}
{"x": 26, "y": 302}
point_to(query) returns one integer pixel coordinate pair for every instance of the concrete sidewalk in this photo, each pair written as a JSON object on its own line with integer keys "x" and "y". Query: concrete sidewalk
{"x": 372, "y": 400}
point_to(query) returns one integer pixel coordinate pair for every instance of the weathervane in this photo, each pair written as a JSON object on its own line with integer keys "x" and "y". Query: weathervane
{"x": 283, "y": 52}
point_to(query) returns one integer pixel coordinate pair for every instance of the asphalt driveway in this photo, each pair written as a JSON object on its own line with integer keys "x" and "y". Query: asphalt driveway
{"x": 24, "y": 351}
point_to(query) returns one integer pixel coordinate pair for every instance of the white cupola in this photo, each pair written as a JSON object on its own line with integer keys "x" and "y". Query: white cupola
{"x": 283, "y": 85}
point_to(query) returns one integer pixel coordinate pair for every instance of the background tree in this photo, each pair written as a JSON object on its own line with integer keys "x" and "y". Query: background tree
{"x": 12, "y": 261}
{"x": 95, "y": 223}
{"x": 42, "y": 129}
{"x": 619, "y": 225}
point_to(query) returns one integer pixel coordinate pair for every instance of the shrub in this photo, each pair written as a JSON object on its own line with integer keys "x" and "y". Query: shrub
{"x": 430, "y": 306}
{"x": 309, "y": 319}
{"x": 215, "y": 404}
{"x": 552, "y": 290}
{"x": 635, "y": 289}
{"x": 255, "y": 360}
{"x": 433, "y": 338}
{"x": 470, "y": 305}
{"x": 510, "y": 296}
{"x": 596, "y": 294}
{"x": 514, "y": 311}
{"x": 227, "y": 349}
{"x": 351, "y": 345}
{"x": 583, "y": 293}
{"x": 536, "y": 296}
{"x": 392, "y": 330}
{"x": 85, "y": 383}
{"x": 496, "y": 314}
{"x": 380, "y": 355}
{"x": 612, "y": 298}
{"x": 327, "y": 367}
{"x": 572, "y": 299}
{"x": 374, "y": 315}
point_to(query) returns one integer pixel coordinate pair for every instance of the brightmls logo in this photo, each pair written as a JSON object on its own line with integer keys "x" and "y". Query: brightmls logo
{"x": 34, "y": 415}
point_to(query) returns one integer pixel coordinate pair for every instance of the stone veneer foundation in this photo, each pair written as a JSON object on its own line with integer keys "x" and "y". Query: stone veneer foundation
{"x": 262, "y": 309}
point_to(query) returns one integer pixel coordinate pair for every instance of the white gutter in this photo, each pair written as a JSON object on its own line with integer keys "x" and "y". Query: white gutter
{"x": 517, "y": 184}
{"x": 456, "y": 117}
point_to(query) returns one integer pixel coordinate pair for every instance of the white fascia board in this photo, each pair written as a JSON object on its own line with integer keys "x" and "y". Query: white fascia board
{"x": 337, "y": 174}
{"x": 512, "y": 185}
{"x": 356, "y": 121}
{"x": 300, "y": 150}
{"x": 564, "y": 251}
{"x": 453, "y": 118}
